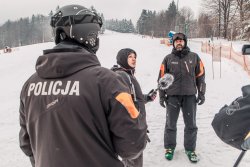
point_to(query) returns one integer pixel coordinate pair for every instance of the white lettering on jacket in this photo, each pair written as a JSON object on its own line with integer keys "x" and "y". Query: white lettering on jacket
{"x": 54, "y": 88}
{"x": 173, "y": 62}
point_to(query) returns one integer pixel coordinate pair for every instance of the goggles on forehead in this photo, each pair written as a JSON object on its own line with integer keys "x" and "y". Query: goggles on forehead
{"x": 58, "y": 20}
{"x": 179, "y": 36}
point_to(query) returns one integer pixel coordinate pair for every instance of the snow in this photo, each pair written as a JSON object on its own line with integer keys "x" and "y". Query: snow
{"x": 16, "y": 67}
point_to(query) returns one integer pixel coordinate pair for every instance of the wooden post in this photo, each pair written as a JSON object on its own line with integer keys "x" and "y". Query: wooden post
{"x": 213, "y": 61}
{"x": 220, "y": 61}
{"x": 230, "y": 51}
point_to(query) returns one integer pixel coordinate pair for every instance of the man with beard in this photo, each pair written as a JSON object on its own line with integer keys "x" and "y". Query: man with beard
{"x": 189, "y": 78}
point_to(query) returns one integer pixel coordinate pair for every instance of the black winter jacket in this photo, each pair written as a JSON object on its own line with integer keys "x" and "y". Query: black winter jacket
{"x": 73, "y": 112}
{"x": 135, "y": 89}
{"x": 188, "y": 71}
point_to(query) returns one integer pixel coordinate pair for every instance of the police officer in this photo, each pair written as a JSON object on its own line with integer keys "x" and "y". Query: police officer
{"x": 189, "y": 78}
{"x": 73, "y": 112}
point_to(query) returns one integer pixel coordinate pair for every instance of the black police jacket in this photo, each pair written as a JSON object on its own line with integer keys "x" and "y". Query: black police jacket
{"x": 73, "y": 112}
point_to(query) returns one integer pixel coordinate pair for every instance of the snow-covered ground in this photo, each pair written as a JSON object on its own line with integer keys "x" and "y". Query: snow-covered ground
{"x": 16, "y": 67}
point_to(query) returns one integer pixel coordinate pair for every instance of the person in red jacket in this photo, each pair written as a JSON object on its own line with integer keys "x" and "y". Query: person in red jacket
{"x": 189, "y": 78}
{"x": 73, "y": 112}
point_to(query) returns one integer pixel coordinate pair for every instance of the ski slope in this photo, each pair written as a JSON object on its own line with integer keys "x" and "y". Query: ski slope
{"x": 16, "y": 67}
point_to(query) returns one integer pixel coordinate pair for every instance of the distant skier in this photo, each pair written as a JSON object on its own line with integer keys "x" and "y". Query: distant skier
{"x": 7, "y": 49}
{"x": 73, "y": 112}
{"x": 126, "y": 63}
{"x": 189, "y": 73}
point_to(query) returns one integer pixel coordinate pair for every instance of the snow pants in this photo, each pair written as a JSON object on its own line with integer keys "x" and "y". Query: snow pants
{"x": 187, "y": 103}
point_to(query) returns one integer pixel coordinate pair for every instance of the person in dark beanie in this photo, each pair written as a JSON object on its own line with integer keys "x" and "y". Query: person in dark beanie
{"x": 126, "y": 64}
{"x": 73, "y": 112}
{"x": 189, "y": 78}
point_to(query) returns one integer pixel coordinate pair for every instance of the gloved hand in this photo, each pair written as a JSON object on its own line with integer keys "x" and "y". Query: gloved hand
{"x": 151, "y": 95}
{"x": 200, "y": 99}
{"x": 162, "y": 102}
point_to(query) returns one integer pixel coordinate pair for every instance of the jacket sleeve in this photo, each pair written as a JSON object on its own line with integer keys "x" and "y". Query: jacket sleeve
{"x": 163, "y": 70}
{"x": 24, "y": 140}
{"x": 200, "y": 76}
{"x": 127, "y": 125}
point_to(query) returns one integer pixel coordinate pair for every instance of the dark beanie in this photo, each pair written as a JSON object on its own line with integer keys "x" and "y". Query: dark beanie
{"x": 122, "y": 57}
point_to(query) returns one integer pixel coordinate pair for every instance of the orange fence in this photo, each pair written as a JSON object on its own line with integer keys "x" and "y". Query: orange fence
{"x": 227, "y": 52}
{"x": 165, "y": 41}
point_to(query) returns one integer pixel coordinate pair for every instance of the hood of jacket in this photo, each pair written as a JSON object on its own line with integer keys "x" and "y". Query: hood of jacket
{"x": 63, "y": 60}
{"x": 182, "y": 53}
{"x": 117, "y": 67}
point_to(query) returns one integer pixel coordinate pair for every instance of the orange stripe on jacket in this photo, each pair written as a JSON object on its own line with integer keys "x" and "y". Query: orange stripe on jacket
{"x": 126, "y": 100}
{"x": 201, "y": 70}
{"x": 162, "y": 70}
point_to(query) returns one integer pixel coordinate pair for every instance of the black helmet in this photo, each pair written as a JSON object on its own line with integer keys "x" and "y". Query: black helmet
{"x": 77, "y": 23}
{"x": 180, "y": 36}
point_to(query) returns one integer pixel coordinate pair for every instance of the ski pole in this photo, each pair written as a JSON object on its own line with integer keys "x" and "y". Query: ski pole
{"x": 239, "y": 158}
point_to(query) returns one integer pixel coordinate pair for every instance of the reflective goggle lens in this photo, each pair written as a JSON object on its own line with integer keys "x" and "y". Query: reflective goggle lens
{"x": 178, "y": 36}
{"x": 76, "y": 19}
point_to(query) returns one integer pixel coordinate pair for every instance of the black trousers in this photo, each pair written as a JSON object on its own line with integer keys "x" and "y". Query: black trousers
{"x": 188, "y": 106}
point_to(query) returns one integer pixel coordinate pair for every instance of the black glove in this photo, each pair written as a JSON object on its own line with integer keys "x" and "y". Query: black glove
{"x": 151, "y": 95}
{"x": 200, "y": 99}
{"x": 162, "y": 102}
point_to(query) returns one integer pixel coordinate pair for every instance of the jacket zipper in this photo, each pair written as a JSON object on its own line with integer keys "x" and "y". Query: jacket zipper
{"x": 186, "y": 66}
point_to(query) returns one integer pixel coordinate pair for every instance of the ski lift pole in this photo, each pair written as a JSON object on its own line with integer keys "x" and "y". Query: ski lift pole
{"x": 239, "y": 158}
{"x": 245, "y": 146}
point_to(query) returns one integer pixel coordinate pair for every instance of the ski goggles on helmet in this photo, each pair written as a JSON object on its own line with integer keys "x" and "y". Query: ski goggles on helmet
{"x": 179, "y": 36}
{"x": 58, "y": 20}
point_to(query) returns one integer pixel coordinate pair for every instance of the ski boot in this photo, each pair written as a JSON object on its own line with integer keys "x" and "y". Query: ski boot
{"x": 169, "y": 154}
{"x": 192, "y": 156}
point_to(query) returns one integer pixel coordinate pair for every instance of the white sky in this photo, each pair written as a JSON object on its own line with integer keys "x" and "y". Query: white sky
{"x": 129, "y": 9}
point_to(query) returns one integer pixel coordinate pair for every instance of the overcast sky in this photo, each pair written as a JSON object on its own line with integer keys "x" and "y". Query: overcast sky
{"x": 129, "y": 9}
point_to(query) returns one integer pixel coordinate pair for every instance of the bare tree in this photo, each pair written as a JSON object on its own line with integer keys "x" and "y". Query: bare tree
{"x": 186, "y": 16}
{"x": 206, "y": 25}
{"x": 224, "y": 10}
{"x": 243, "y": 10}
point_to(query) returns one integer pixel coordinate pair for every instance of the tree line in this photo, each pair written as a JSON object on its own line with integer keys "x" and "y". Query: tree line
{"x": 123, "y": 26}
{"x": 229, "y": 19}
{"x": 27, "y": 31}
